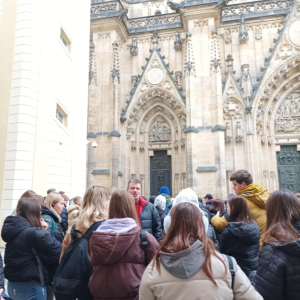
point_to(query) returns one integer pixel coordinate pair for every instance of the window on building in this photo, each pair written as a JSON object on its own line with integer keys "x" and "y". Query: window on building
{"x": 61, "y": 116}
{"x": 65, "y": 40}
{"x": 157, "y": 13}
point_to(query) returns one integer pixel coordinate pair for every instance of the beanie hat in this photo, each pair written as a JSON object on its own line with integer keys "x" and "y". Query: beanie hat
{"x": 164, "y": 190}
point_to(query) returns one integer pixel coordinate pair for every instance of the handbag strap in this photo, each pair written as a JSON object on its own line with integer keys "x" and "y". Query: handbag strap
{"x": 30, "y": 240}
{"x": 231, "y": 270}
{"x": 92, "y": 228}
{"x": 144, "y": 242}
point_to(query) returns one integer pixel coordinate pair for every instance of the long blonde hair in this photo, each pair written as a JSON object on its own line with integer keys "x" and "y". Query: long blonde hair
{"x": 94, "y": 206}
{"x": 51, "y": 200}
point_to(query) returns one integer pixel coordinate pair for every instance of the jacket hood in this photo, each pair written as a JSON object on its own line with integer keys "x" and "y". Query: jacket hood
{"x": 12, "y": 226}
{"x": 160, "y": 201}
{"x": 292, "y": 248}
{"x": 117, "y": 225}
{"x": 184, "y": 264}
{"x": 49, "y": 212}
{"x": 73, "y": 207}
{"x": 168, "y": 198}
{"x": 164, "y": 190}
{"x": 109, "y": 247}
{"x": 248, "y": 233}
{"x": 186, "y": 195}
{"x": 255, "y": 194}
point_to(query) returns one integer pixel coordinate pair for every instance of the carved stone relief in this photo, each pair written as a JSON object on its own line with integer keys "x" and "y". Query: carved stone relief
{"x": 258, "y": 34}
{"x": 285, "y": 50}
{"x": 288, "y": 115}
{"x": 232, "y": 107}
{"x": 155, "y": 76}
{"x": 160, "y": 131}
{"x": 294, "y": 33}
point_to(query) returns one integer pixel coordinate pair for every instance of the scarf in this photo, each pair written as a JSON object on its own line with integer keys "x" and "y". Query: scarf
{"x": 139, "y": 206}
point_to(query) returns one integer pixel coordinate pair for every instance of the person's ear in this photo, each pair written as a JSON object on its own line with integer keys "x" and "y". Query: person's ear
{"x": 52, "y": 205}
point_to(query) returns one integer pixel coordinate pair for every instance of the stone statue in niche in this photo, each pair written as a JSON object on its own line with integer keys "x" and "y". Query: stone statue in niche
{"x": 288, "y": 114}
{"x": 134, "y": 50}
{"x": 246, "y": 82}
{"x": 177, "y": 42}
{"x": 160, "y": 131}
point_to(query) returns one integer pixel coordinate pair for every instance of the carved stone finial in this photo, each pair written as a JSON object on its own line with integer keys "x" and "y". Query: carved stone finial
{"x": 246, "y": 83}
{"x": 115, "y": 71}
{"x": 243, "y": 33}
{"x": 177, "y": 42}
{"x": 92, "y": 66}
{"x": 214, "y": 51}
{"x": 229, "y": 61}
{"x": 214, "y": 34}
{"x": 134, "y": 50}
{"x": 134, "y": 80}
{"x": 189, "y": 65}
{"x": 154, "y": 39}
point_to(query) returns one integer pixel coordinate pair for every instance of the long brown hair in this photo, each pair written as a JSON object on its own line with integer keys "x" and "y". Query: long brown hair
{"x": 33, "y": 195}
{"x": 239, "y": 211}
{"x": 122, "y": 205}
{"x": 30, "y": 209}
{"x": 187, "y": 226}
{"x": 217, "y": 205}
{"x": 283, "y": 209}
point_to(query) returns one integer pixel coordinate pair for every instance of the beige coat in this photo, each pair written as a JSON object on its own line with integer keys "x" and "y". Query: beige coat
{"x": 198, "y": 287}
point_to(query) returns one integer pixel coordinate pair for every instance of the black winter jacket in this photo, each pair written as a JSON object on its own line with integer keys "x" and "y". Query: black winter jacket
{"x": 1, "y": 274}
{"x": 205, "y": 210}
{"x": 278, "y": 273}
{"x": 150, "y": 221}
{"x": 64, "y": 219}
{"x": 20, "y": 263}
{"x": 212, "y": 235}
{"x": 49, "y": 216}
{"x": 241, "y": 240}
{"x": 162, "y": 216}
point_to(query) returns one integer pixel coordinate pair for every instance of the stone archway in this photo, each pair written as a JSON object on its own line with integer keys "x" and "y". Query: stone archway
{"x": 274, "y": 91}
{"x": 159, "y": 126}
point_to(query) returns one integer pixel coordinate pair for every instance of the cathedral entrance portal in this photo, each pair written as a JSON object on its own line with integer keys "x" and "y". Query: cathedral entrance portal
{"x": 160, "y": 172}
{"x": 288, "y": 161}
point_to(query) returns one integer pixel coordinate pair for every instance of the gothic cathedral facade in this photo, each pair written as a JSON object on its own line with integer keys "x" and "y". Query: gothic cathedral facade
{"x": 184, "y": 93}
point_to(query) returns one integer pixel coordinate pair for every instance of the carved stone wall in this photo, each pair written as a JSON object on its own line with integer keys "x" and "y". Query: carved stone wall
{"x": 160, "y": 131}
{"x": 287, "y": 118}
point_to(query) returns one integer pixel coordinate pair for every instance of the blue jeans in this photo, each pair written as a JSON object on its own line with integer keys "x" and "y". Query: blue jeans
{"x": 31, "y": 290}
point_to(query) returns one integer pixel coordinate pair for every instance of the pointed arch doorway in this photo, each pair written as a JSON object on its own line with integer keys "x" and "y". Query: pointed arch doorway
{"x": 160, "y": 171}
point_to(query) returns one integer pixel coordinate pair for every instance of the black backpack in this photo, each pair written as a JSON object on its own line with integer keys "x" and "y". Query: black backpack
{"x": 73, "y": 274}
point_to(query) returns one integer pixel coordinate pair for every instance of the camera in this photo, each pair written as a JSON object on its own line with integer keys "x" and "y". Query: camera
{"x": 94, "y": 144}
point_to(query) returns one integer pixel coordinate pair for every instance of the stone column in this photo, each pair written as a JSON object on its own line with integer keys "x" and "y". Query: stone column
{"x": 218, "y": 129}
{"x": 191, "y": 131}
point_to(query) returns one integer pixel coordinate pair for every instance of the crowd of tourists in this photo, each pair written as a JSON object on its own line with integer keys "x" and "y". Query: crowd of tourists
{"x": 122, "y": 246}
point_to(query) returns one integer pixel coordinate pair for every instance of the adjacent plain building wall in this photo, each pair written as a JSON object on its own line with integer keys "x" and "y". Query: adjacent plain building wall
{"x": 38, "y": 72}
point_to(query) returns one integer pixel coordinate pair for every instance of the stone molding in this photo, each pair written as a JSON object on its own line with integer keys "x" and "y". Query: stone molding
{"x": 206, "y": 169}
{"x": 218, "y": 128}
{"x": 101, "y": 172}
{"x": 255, "y": 9}
{"x": 146, "y": 24}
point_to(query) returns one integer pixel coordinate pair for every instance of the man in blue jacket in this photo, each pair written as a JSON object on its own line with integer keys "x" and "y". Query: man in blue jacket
{"x": 147, "y": 213}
